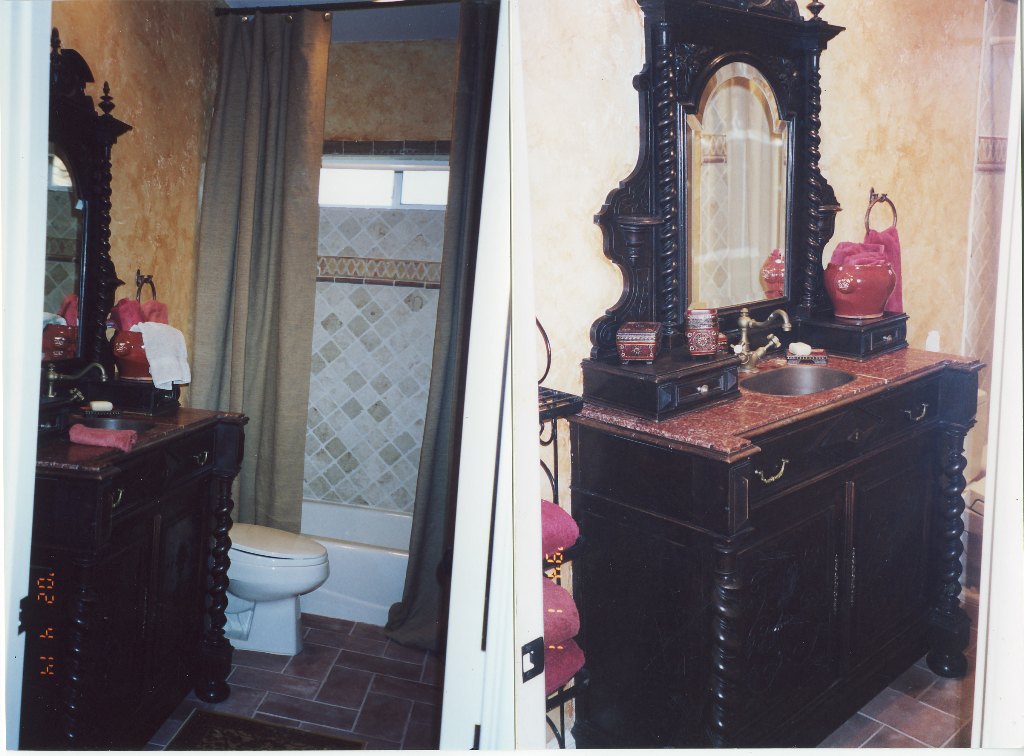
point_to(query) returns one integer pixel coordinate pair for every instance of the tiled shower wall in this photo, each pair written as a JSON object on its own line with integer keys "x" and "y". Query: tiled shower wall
{"x": 373, "y": 337}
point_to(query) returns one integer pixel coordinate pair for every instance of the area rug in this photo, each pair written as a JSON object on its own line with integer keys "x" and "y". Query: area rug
{"x": 210, "y": 731}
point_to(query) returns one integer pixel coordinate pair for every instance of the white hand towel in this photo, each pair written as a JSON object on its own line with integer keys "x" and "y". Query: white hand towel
{"x": 165, "y": 351}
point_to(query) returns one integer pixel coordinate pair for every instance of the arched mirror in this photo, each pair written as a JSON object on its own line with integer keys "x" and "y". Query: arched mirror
{"x": 737, "y": 156}
{"x": 728, "y": 170}
{"x": 65, "y": 226}
{"x": 79, "y": 276}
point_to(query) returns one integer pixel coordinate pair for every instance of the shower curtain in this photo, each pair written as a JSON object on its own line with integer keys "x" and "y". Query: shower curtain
{"x": 256, "y": 259}
{"x": 420, "y": 618}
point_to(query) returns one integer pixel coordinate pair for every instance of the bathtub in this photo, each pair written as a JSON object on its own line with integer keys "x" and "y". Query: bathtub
{"x": 368, "y": 551}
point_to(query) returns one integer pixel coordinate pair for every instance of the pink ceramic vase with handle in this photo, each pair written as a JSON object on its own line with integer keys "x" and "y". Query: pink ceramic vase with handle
{"x": 859, "y": 291}
{"x": 130, "y": 356}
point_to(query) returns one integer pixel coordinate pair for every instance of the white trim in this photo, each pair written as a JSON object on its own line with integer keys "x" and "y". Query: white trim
{"x": 999, "y": 678}
{"x": 24, "y": 106}
{"x": 479, "y": 675}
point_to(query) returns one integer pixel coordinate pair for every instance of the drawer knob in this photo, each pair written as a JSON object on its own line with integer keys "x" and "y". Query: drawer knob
{"x": 920, "y": 414}
{"x": 855, "y": 437}
{"x": 887, "y": 338}
{"x": 766, "y": 479}
{"x": 703, "y": 389}
{"x": 201, "y": 458}
{"x": 118, "y": 497}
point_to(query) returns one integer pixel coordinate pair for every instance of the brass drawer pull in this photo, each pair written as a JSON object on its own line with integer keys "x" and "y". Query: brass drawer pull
{"x": 703, "y": 389}
{"x": 920, "y": 416}
{"x": 201, "y": 458}
{"x": 118, "y": 497}
{"x": 855, "y": 437}
{"x": 887, "y": 338}
{"x": 771, "y": 479}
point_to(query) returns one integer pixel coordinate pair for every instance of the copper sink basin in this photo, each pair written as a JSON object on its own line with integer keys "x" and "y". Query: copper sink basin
{"x": 796, "y": 380}
{"x": 115, "y": 423}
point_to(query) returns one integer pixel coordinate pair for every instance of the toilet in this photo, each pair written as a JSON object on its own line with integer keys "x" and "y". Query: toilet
{"x": 269, "y": 570}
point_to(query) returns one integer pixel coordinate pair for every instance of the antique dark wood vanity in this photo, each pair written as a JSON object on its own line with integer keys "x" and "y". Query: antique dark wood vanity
{"x": 759, "y": 565}
{"x": 125, "y": 608}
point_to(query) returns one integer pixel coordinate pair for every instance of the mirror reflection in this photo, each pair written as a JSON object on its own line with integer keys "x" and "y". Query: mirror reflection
{"x": 62, "y": 283}
{"x": 738, "y": 166}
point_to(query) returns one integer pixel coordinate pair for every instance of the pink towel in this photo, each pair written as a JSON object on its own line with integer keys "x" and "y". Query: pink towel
{"x": 854, "y": 253}
{"x": 154, "y": 311}
{"x": 561, "y": 618}
{"x": 561, "y": 662}
{"x": 69, "y": 309}
{"x": 126, "y": 313}
{"x": 890, "y": 242}
{"x": 558, "y": 530}
{"x": 117, "y": 439}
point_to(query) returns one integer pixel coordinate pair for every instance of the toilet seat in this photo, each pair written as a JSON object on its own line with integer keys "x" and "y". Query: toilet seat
{"x": 255, "y": 544}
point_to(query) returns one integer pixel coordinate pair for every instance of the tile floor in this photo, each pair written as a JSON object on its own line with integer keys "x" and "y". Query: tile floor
{"x": 349, "y": 680}
{"x": 919, "y": 710}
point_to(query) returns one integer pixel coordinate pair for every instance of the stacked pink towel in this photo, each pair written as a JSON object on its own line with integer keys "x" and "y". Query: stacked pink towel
{"x": 69, "y": 310}
{"x": 558, "y": 530}
{"x": 890, "y": 242}
{"x": 561, "y": 662}
{"x": 126, "y": 313}
{"x": 561, "y": 618}
{"x": 124, "y": 440}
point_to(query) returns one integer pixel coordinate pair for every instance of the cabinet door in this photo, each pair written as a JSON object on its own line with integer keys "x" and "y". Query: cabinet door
{"x": 780, "y": 611}
{"x": 889, "y": 549}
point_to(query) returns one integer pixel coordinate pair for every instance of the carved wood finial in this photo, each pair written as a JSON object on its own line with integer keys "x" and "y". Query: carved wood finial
{"x": 106, "y": 101}
{"x": 815, "y": 8}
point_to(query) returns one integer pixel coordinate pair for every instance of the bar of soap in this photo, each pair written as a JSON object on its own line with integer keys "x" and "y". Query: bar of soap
{"x": 101, "y": 406}
{"x": 799, "y": 348}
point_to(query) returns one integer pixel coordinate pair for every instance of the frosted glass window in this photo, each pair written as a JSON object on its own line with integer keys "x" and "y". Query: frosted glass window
{"x": 356, "y": 187}
{"x": 424, "y": 187}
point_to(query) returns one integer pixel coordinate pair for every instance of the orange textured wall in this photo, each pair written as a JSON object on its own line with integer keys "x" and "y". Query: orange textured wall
{"x": 160, "y": 58}
{"x": 390, "y": 90}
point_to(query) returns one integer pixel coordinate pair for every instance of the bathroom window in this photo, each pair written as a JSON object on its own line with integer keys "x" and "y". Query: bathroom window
{"x": 369, "y": 182}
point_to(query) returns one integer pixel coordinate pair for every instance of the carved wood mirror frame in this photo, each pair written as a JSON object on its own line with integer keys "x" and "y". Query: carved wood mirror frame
{"x": 644, "y": 220}
{"x": 84, "y": 139}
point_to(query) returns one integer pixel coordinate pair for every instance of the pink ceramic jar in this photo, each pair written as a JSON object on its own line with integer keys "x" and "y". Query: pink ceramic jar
{"x": 130, "y": 356}
{"x": 859, "y": 291}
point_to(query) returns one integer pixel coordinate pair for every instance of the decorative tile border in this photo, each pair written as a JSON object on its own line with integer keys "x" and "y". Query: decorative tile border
{"x": 380, "y": 272}
{"x": 991, "y": 154}
{"x": 440, "y": 148}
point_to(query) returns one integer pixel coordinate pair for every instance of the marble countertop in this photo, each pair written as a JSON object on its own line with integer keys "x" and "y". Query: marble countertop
{"x": 723, "y": 430}
{"x": 57, "y": 453}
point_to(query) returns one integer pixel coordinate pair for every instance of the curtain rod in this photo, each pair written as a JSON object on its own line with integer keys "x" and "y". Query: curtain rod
{"x": 331, "y": 7}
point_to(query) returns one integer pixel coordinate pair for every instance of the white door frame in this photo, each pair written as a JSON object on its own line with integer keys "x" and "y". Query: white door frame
{"x": 24, "y": 113}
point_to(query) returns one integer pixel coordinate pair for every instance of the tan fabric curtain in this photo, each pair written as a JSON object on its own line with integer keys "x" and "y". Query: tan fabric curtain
{"x": 256, "y": 262}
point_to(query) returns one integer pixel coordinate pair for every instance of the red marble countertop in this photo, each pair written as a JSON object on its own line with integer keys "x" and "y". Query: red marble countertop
{"x": 723, "y": 430}
{"x": 57, "y": 453}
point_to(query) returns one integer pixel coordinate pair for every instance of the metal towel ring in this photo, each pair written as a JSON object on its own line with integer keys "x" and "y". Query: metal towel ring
{"x": 874, "y": 199}
{"x": 140, "y": 281}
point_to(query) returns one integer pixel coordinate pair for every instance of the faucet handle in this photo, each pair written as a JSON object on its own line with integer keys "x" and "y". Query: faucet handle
{"x": 773, "y": 340}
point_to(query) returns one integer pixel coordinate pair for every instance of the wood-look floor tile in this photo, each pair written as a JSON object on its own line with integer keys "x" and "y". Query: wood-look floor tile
{"x": 313, "y": 661}
{"x": 405, "y": 653}
{"x": 852, "y": 733}
{"x": 383, "y": 717}
{"x": 409, "y": 689}
{"x": 327, "y": 623}
{"x": 345, "y": 687}
{"x": 890, "y": 738}
{"x": 379, "y": 664}
{"x": 259, "y": 660}
{"x": 422, "y": 736}
{"x": 274, "y": 682}
{"x": 313, "y": 712}
{"x": 908, "y": 715}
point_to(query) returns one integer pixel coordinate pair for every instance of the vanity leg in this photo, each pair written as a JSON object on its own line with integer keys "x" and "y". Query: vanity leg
{"x": 74, "y": 719}
{"x": 215, "y": 649}
{"x": 948, "y": 635}
{"x": 726, "y": 645}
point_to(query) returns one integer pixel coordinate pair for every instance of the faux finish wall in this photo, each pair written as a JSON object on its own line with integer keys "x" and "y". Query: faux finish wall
{"x": 161, "y": 59}
{"x": 390, "y": 90}
{"x": 898, "y": 114}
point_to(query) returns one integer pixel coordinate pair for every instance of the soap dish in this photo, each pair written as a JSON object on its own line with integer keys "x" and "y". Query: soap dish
{"x": 816, "y": 357}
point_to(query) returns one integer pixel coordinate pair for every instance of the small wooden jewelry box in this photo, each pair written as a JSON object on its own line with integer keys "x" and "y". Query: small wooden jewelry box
{"x": 638, "y": 341}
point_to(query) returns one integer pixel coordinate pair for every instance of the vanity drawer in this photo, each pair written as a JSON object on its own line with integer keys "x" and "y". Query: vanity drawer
{"x": 817, "y": 446}
{"x": 192, "y": 455}
{"x": 149, "y": 475}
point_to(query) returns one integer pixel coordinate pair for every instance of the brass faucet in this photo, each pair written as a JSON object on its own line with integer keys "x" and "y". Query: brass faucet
{"x": 53, "y": 377}
{"x": 748, "y": 358}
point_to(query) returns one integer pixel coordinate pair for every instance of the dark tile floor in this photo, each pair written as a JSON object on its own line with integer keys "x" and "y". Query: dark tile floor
{"x": 349, "y": 680}
{"x": 919, "y": 710}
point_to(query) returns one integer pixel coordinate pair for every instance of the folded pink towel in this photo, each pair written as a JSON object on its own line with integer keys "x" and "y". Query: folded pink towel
{"x": 890, "y": 242}
{"x": 154, "y": 311}
{"x": 558, "y": 530}
{"x": 117, "y": 439}
{"x": 561, "y": 618}
{"x": 561, "y": 662}
{"x": 854, "y": 253}
{"x": 126, "y": 313}
{"x": 69, "y": 309}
